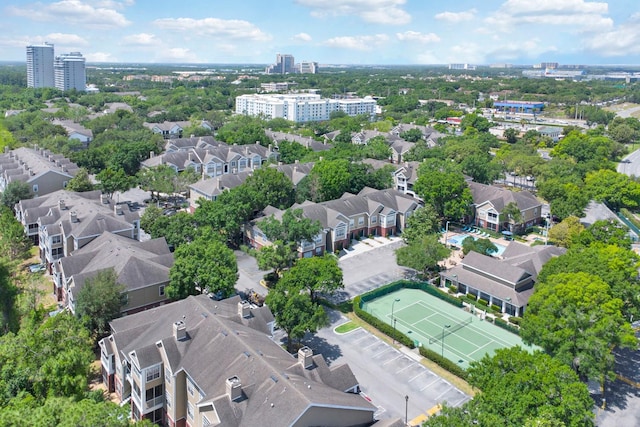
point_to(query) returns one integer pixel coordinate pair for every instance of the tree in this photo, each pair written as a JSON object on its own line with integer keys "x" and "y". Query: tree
{"x": 318, "y": 275}
{"x": 608, "y": 232}
{"x": 615, "y": 189}
{"x": 422, "y": 254}
{"x": 573, "y": 317}
{"x": 615, "y": 265}
{"x": 521, "y": 389}
{"x": 100, "y": 301}
{"x": 157, "y": 179}
{"x": 226, "y": 214}
{"x": 8, "y": 293}
{"x": 285, "y": 234}
{"x": 421, "y": 223}
{"x": 51, "y": 358}
{"x": 511, "y": 215}
{"x": 13, "y": 240}
{"x": 207, "y": 264}
{"x": 412, "y": 135}
{"x": 81, "y": 182}
{"x": 14, "y": 192}
{"x": 294, "y": 310}
{"x": 270, "y": 187}
{"x": 441, "y": 186}
{"x": 112, "y": 180}
{"x": 511, "y": 135}
{"x": 482, "y": 246}
{"x": 563, "y": 234}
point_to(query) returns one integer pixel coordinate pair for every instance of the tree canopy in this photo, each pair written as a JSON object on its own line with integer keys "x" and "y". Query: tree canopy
{"x": 443, "y": 187}
{"x": 100, "y": 301}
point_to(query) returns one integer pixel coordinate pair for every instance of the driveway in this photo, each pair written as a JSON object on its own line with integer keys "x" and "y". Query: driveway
{"x": 386, "y": 374}
{"x": 249, "y": 275}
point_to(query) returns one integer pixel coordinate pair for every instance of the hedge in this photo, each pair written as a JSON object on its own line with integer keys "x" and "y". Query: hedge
{"x": 504, "y": 325}
{"x": 443, "y": 362}
{"x": 515, "y": 320}
{"x": 383, "y": 327}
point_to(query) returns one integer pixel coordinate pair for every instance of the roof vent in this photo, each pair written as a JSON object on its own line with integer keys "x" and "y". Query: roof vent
{"x": 234, "y": 388}
{"x": 104, "y": 199}
{"x": 73, "y": 216}
{"x": 117, "y": 209}
{"x": 62, "y": 205}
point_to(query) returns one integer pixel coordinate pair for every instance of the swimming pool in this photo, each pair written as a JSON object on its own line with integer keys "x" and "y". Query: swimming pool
{"x": 458, "y": 239}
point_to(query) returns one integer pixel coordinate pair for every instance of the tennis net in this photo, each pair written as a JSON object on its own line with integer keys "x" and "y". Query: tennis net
{"x": 448, "y": 331}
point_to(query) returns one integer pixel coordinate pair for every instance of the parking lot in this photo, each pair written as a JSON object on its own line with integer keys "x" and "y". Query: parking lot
{"x": 386, "y": 374}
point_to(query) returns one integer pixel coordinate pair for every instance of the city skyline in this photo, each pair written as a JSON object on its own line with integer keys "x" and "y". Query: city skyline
{"x": 328, "y": 31}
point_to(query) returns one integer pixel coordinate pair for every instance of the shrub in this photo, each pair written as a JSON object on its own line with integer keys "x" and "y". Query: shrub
{"x": 443, "y": 362}
{"x": 515, "y": 320}
{"x": 453, "y": 289}
{"x": 504, "y": 325}
{"x": 483, "y": 303}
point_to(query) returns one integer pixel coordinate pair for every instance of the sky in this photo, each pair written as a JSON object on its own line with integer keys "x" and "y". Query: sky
{"x": 327, "y": 31}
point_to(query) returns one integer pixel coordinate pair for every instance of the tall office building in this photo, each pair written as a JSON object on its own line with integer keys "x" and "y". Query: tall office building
{"x": 40, "y": 66}
{"x": 285, "y": 64}
{"x": 70, "y": 72}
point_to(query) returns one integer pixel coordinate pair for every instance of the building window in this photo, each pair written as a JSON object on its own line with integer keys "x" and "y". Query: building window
{"x": 167, "y": 398}
{"x": 161, "y": 290}
{"x": 190, "y": 410}
{"x": 64, "y": 184}
{"x": 55, "y": 240}
{"x": 341, "y": 232}
{"x": 205, "y": 421}
{"x": 190, "y": 388}
{"x": 361, "y": 220}
{"x": 167, "y": 375}
{"x": 374, "y": 219}
{"x": 351, "y": 223}
{"x": 35, "y": 188}
{"x": 153, "y": 373}
{"x": 57, "y": 252}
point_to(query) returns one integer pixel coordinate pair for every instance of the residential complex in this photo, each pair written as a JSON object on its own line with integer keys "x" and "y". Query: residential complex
{"x": 40, "y": 66}
{"x": 302, "y": 107}
{"x": 200, "y": 362}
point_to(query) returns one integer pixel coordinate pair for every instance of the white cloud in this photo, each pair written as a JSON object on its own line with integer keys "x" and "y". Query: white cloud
{"x": 531, "y": 48}
{"x": 141, "y": 39}
{"x": 100, "y": 57}
{"x": 620, "y": 41}
{"x": 177, "y": 54}
{"x": 572, "y": 15}
{"x": 72, "y": 12}
{"x": 233, "y": 28}
{"x": 457, "y": 17}
{"x": 66, "y": 39}
{"x": 302, "y": 37}
{"x": 415, "y": 36}
{"x": 376, "y": 11}
{"x": 364, "y": 43}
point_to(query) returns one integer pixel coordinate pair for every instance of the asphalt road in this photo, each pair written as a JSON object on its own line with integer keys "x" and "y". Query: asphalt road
{"x": 630, "y": 165}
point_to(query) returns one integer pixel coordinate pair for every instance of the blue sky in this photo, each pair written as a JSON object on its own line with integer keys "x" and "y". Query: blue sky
{"x": 328, "y": 31}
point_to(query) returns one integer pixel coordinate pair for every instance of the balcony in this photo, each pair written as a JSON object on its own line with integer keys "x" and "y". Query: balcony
{"x": 150, "y": 404}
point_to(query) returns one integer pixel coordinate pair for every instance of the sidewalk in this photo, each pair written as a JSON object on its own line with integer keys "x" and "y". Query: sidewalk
{"x": 368, "y": 244}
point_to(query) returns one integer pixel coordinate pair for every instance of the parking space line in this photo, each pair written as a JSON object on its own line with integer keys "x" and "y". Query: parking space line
{"x": 408, "y": 366}
{"x": 416, "y": 376}
{"x": 370, "y": 345}
{"x": 395, "y": 358}
{"x": 379, "y": 353}
{"x": 446, "y": 391}
{"x": 430, "y": 384}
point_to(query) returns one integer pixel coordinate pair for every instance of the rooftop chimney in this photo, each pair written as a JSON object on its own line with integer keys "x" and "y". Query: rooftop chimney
{"x": 234, "y": 388}
{"x": 104, "y": 199}
{"x": 305, "y": 357}
{"x": 62, "y": 205}
{"x": 73, "y": 216}
{"x": 117, "y": 209}
{"x": 244, "y": 309}
{"x": 179, "y": 331}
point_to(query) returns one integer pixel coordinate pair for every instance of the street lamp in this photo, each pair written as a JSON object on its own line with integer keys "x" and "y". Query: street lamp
{"x": 406, "y": 409}
{"x": 393, "y": 319}
{"x": 442, "y": 340}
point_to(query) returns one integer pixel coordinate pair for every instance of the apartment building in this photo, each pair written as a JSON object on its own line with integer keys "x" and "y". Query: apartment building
{"x": 42, "y": 170}
{"x": 302, "y": 107}
{"x": 200, "y": 362}
{"x": 142, "y": 268}
{"x": 40, "y": 66}
{"x": 69, "y": 72}
{"x": 370, "y": 212}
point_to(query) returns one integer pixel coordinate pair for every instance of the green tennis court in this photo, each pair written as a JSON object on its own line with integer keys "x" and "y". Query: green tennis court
{"x": 441, "y": 327}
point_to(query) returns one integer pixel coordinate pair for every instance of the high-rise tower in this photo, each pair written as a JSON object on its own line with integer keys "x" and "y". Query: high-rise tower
{"x": 70, "y": 72}
{"x": 40, "y": 65}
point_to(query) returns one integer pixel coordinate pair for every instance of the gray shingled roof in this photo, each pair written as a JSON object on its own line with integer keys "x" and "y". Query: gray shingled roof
{"x": 220, "y": 345}
{"x": 500, "y": 197}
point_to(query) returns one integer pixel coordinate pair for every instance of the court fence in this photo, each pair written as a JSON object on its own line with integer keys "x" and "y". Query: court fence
{"x": 403, "y": 339}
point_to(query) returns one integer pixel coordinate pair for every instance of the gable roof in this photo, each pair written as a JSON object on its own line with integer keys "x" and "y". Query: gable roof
{"x": 221, "y": 344}
{"x": 500, "y": 197}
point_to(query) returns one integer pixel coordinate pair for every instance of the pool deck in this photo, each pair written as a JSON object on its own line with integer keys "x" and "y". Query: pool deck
{"x": 456, "y": 254}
